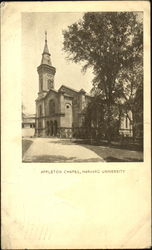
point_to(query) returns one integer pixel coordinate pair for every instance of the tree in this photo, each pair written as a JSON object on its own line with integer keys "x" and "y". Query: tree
{"x": 94, "y": 118}
{"x": 108, "y": 42}
{"x": 130, "y": 88}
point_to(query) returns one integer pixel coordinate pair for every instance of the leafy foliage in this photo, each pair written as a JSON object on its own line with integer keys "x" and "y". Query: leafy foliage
{"x": 111, "y": 43}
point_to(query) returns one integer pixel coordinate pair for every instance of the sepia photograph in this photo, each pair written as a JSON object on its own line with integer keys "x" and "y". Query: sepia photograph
{"x": 82, "y": 86}
{"x": 76, "y": 127}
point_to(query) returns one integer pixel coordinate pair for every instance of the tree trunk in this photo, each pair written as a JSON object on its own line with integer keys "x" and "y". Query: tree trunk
{"x": 109, "y": 132}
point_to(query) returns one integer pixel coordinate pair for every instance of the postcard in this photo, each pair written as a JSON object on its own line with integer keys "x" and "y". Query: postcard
{"x": 76, "y": 163}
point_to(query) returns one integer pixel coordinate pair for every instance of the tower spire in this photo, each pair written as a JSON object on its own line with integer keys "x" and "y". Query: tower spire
{"x": 46, "y": 54}
{"x": 46, "y": 50}
{"x": 45, "y": 36}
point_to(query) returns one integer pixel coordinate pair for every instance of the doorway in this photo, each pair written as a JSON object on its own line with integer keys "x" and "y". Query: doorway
{"x": 55, "y": 128}
{"x": 51, "y": 128}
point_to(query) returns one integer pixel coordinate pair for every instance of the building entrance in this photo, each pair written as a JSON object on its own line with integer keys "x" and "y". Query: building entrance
{"x": 51, "y": 128}
{"x": 55, "y": 127}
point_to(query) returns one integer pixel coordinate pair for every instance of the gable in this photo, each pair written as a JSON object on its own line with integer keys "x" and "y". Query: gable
{"x": 69, "y": 91}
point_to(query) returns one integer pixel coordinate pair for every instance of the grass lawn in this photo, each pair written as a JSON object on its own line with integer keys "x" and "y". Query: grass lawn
{"x": 110, "y": 154}
{"x": 25, "y": 145}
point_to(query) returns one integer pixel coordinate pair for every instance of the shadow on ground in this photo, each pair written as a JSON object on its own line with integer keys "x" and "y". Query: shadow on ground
{"x": 118, "y": 145}
{"x": 25, "y": 145}
{"x": 113, "y": 159}
{"x": 112, "y": 153}
{"x": 60, "y": 159}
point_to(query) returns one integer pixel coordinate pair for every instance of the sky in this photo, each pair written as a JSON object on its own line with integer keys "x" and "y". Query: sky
{"x": 34, "y": 25}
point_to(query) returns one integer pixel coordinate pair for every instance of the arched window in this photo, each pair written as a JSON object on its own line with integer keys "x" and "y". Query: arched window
{"x": 40, "y": 110}
{"x": 50, "y": 83}
{"x": 41, "y": 84}
{"x": 51, "y": 107}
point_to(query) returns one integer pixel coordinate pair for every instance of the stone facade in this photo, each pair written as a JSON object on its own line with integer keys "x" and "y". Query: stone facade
{"x": 58, "y": 113}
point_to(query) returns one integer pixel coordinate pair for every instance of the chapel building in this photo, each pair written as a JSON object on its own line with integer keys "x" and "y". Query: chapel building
{"x": 58, "y": 112}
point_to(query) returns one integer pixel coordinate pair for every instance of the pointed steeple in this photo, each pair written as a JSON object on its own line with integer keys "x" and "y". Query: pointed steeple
{"x": 46, "y": 50}
{"x": 46, "y": 55}
{"x": 46, "y": 71}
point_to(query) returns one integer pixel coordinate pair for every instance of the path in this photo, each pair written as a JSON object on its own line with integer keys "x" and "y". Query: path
{"x": 57, "y": 150}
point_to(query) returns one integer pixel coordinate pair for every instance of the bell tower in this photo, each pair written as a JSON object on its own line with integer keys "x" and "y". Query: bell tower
{"x": 46, "y": 71}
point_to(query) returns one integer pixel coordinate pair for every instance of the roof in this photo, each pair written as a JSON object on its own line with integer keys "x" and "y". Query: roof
{"x": 63, "y": 86}
{"x": 57, "y": 92}
{"x": 74, "y": 90}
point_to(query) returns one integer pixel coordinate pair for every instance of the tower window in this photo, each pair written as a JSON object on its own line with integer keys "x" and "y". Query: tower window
{"x": 49, "y": 84}
{"x": 41, "y": 84}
